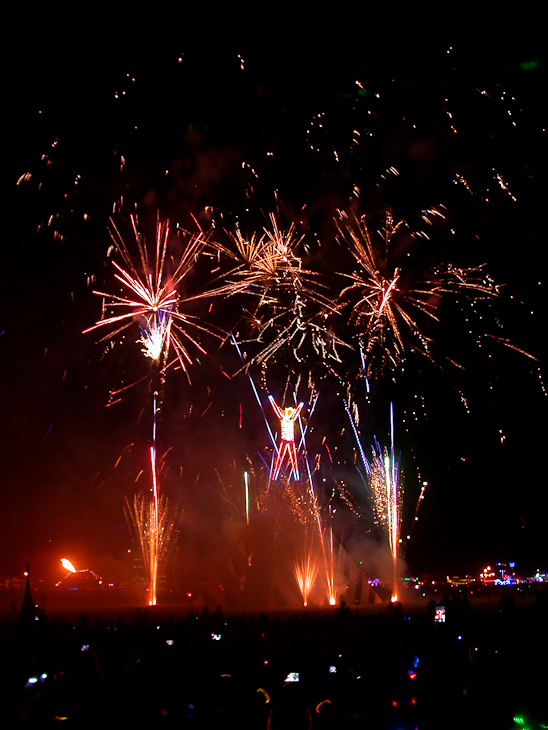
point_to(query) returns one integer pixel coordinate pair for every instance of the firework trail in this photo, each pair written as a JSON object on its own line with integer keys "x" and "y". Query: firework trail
{"x": 275, "y": 451}
{"x": 246, "y": 486}
{"x": 154, "y": 533}
{"x": 256, "y": 394}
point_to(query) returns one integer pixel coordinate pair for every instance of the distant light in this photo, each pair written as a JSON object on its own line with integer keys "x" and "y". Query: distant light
{"x": 67, "y": 565}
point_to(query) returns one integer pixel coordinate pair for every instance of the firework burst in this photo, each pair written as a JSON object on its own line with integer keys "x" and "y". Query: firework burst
{"x": 151, "y": 297}
{"x": 386, "y": 309}
{"x": 289, "y": 303}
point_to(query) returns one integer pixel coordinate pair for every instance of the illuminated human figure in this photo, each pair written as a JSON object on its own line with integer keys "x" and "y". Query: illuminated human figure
{"x": 287, "y": 417}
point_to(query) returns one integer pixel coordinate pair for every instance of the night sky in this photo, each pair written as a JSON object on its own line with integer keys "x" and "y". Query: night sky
{"x": 210, "y": 134}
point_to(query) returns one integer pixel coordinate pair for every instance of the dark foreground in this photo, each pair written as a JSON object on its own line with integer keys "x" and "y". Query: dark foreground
{"x": 484, "y": 668}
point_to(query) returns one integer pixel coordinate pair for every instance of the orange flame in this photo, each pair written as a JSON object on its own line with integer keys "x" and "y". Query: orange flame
{"x": 65, "y": 562}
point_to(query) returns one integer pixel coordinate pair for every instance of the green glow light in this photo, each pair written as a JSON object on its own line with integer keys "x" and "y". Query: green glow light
{"x": 529, "y": 65}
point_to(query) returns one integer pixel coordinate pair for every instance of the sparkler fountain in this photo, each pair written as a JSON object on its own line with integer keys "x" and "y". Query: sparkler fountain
{"x": 385, "y": 483}
{"x": 306, "y": 572}
{"x": 327, "y": 558}
{"x": 383, "y": 472}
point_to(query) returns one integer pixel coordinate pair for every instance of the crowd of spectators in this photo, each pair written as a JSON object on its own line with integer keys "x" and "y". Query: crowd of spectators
{"x": 323, "y": 668}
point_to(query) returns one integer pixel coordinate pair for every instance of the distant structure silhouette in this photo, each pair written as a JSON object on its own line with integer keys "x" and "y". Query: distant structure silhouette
{"x": 27, "y": 613}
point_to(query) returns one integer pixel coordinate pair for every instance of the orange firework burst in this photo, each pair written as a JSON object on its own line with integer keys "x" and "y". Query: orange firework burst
{"x": 270, "y": 260}
{"x": 290, "y": 301}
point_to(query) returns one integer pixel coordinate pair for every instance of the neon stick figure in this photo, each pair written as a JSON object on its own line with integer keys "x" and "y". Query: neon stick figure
{"x": 287, "y": 417}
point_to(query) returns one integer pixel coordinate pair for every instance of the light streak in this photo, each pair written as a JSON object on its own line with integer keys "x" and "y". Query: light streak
{"x": 154, "y": 532}
{"x": 255, "y": 393}
{"x": 356, "y": 435}
{"x": 246, "y": 482}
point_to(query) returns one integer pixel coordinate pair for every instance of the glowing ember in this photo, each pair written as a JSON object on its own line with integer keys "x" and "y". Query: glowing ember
{"x": 67, "y": 565}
